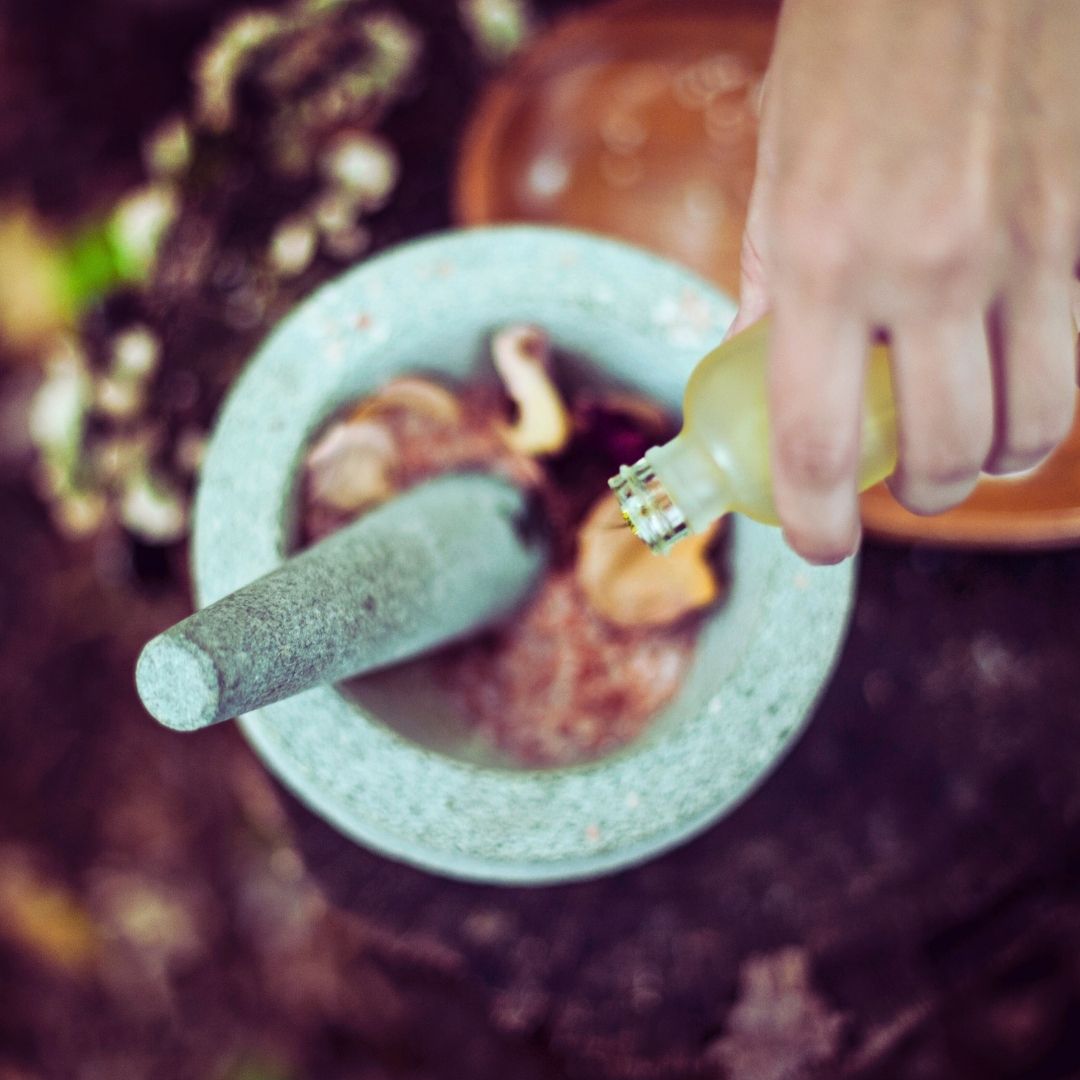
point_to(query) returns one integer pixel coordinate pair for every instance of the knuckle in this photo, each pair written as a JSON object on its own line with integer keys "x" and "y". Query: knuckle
{"x": 955, "y": 245}
{"x": 949, "y": 251}
{"x": 1044, "y": 222}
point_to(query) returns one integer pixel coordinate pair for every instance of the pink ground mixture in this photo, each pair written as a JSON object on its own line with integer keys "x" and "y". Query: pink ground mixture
{"x": 559, "y": 684}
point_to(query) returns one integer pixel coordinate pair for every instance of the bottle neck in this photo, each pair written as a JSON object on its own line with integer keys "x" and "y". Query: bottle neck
{"x": 673, "y": 491}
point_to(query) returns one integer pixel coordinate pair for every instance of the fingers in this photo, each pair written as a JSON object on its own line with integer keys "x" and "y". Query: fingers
{"x": 1074, "y": 293}
{"x": 817, "y": 360}
{"x": 1036, "y": 371}
{"x": 943, "y": 387}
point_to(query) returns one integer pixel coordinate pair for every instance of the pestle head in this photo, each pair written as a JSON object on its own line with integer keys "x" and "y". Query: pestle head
{"x": 438, "y": 561}
{"x": 178, "y": 682}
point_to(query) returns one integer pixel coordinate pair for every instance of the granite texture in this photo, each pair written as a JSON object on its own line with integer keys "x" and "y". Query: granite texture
{"x": 439, "y": 561}
{"x": 762, "y": 659}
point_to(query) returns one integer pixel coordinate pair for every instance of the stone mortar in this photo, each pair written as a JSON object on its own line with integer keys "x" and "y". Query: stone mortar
{"x": 762, "y": 658}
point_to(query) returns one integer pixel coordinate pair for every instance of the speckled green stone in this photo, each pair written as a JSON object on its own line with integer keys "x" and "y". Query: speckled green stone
{"x": 449, "y": 557}
{"x": 424, "y": 797}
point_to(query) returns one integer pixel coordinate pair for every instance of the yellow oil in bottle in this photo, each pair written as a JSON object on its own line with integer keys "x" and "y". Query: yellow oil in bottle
{"x": 719, "y": 462}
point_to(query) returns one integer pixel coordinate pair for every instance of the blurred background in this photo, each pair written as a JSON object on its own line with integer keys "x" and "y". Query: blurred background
{"x": 900, "y": 899}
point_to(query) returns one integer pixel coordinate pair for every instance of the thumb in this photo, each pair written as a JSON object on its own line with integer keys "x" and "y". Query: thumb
{"x": 753, "y": 279}
{"x": 753, "y": 288}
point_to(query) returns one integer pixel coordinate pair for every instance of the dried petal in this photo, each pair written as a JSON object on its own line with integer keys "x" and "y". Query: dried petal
{"x": 363, "y": 165}
{"x": 349, "y": 467}
{"x": 521, "y": 355}
{"x": 292, "y": 246}
{"x": 118, "y": 398}
{"x": 167, "y": 150}
{"x": 221, "y": 62}
{"x": 138, "y": 224}
{"x": 337, "y": 215}
{"x": 627, "y": 584}
{"x": 348, "y": 243}
{"x": 152, "y": 509}
{"x": 135, "y": 353}
{"x": 79, "y": 513}
{"x": 412, "y": 394}
{"x": 59, "y": 410}
{"x": 499, "y": 27}
{"x": 335, "y": 209}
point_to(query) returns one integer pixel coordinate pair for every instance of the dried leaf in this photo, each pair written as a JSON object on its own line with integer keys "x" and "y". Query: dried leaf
{"x": 779, "y": 1028}
{"x": 627, "y": 584}
{"x": 33, "y": 305}
{"x": 43, "y": 916}
{"x": 411, "y": 394}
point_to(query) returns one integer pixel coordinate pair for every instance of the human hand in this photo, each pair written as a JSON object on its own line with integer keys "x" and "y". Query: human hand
{"x": 918, "y": 174}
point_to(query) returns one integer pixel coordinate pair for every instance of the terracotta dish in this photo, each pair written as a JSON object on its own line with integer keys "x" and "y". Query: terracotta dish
{"x": 638, "y": 119}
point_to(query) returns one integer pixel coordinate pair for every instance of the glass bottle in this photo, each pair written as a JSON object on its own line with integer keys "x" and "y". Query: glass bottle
{"x": 719, "y": 462}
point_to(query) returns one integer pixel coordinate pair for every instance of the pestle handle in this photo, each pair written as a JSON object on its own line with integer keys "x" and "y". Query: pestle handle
{"x": 441, "y": 560}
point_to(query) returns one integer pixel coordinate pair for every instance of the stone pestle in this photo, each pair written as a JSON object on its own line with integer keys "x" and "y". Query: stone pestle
{"x": 437, "y": 562}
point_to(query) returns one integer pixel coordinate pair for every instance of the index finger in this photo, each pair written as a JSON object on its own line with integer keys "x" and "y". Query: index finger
{"x": 817, "y": 365}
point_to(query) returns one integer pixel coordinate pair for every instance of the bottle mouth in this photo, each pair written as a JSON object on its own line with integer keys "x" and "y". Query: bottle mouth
{"x": 647, "y": 506}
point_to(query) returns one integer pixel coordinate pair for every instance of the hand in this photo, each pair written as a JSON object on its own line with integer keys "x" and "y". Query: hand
{"x": 918, "y": 175}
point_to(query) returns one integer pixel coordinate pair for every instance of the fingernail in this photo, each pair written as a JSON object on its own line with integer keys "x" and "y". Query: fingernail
{"x": 1010, "y": 464}
{"x": 936, "y": 497}
{"x": 818, "y": 555}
